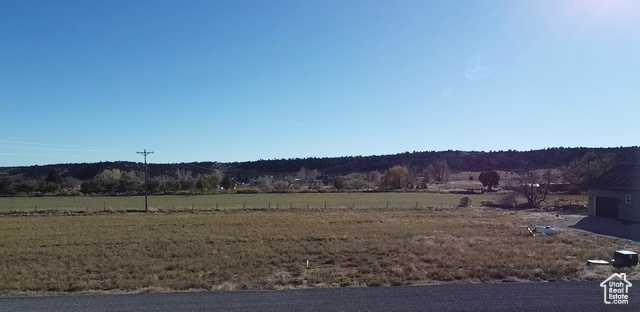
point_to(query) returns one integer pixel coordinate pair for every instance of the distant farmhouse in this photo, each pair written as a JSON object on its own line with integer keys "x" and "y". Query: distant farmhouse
{"x": 616, "y": 194}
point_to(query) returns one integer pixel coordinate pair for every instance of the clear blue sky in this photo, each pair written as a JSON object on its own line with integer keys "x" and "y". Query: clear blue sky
{"x": 88, "y": 81}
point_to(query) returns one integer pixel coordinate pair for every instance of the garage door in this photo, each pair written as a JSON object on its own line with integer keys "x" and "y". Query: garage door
{"x": 607, "y": 207}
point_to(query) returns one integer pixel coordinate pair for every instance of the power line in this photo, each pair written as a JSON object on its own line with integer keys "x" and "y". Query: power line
{"x": 145, "y": 153}
{"x": 58, "y": 147}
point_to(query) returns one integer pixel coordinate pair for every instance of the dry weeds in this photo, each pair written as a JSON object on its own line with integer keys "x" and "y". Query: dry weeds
{"x": 161, "y": 252}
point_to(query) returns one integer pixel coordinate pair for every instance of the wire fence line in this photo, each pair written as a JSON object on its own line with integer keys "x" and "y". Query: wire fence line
{"x": 216, "y": 207}
{"x": 232, "y": 202}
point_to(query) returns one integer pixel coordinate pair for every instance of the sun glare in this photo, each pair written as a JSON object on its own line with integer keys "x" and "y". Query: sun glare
{"x": 575, "y": 17}
{"x": 596, "y": 10}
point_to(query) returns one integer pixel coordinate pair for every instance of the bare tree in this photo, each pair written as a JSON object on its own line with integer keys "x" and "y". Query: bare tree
{"x": 71, "y": 182}
{"x": 306, "y": 176}
{"x": 356, "y": 181}
{"x": 440, "y": 171}
{"x": 109, "y": 179}
{"x": 185, "y": 179}
{"x": 583, "y": 171}
{"x": 341, "y": 183}
{"x": 374, "y": 178}
{"x": 214, "y": 178}
{"x": 394, "y": 178}
{"x": 265, "y": 183}
{"x": 412, "y": 176}
{"x": 425, "y": 175}
{"x": 128, "y": 183}
{"x": 534, "y": 186}
{"x": 281, "y": 185}
{"x": 227, "y": 183}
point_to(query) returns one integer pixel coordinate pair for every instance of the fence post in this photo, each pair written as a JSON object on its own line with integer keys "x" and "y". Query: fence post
{"x": 387, "y": 204}
{"x": 325, "y": 204}
{"x": 269, "y": 205}
{"x": 244, "y": 205}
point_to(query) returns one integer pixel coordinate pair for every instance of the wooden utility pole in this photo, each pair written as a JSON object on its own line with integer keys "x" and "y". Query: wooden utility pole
{"x": 145, "y": 153}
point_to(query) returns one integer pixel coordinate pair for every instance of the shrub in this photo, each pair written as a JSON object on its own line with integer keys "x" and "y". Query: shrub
{"x": 465, "y": 202}
{"x": 248, "y": 191}
{"x": 509, "y": 200}
{"x": 488, "y": 203}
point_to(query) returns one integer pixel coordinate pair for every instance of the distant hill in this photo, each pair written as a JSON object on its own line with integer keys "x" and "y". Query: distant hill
{"x": 457, "y": 160}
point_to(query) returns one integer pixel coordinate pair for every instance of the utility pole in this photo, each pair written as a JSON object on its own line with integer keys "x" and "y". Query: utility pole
{"x": 145, "y": 153}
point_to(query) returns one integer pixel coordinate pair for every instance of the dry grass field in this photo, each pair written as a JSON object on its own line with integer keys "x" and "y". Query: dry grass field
{"x": 258, "y": 201}
{"x": 268, "y": 249}
{"x": 235, "y": 201}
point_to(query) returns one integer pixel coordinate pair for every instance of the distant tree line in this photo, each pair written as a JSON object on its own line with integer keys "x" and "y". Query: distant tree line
{"x": 513, "y": 161}
{"x": 53, "y": 183}
{"x": 579, "y": 167}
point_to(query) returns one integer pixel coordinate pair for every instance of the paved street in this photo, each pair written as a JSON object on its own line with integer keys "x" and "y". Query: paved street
{"x": 578, "y": 296}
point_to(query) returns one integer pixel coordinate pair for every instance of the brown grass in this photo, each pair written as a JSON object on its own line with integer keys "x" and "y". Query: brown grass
{"x": 269, "y": 249}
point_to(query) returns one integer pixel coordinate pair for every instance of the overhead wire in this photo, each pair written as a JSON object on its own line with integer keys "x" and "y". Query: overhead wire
{"x": 16, "y": 145}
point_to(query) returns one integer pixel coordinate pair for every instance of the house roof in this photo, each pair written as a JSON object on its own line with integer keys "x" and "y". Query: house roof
{"x": 621, "y": 177}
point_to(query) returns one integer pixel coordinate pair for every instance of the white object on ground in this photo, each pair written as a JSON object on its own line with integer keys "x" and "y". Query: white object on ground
{"x": 548, "y": 230}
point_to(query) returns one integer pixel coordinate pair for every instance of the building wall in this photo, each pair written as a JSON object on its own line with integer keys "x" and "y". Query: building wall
{"x": 626, "y": 211}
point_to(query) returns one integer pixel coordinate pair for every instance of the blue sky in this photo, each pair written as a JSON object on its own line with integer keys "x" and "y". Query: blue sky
{"x": 88, "y": 81}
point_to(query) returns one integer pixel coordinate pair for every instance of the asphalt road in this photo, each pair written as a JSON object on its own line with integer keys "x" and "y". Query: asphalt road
{"x": 539, "y": 297}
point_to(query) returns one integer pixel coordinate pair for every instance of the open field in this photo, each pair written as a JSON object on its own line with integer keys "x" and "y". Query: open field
{"x": 268, "y": 249}
{"x": 235, "y": 201}
{"x": 250, "y": 201}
